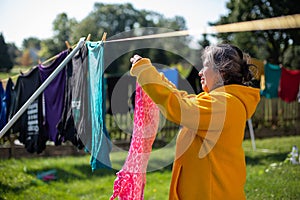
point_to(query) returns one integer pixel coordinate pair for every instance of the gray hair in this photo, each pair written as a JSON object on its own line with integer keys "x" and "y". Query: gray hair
{"x": 232, "y": 64}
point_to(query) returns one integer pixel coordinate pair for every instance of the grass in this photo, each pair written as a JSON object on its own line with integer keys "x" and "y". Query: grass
{"x": 268, "y": 176}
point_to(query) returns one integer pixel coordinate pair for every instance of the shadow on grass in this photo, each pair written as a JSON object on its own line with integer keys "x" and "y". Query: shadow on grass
{"x": 82, "y": 172}
{"x": 4, "y": 188}
{"x": 262, "y": 159}
{"x": 78, "y": 172}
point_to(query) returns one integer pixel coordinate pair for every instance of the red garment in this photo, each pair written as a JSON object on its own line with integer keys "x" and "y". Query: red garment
{"x": 289, "y": 84}
{"x": 131, "y": 179}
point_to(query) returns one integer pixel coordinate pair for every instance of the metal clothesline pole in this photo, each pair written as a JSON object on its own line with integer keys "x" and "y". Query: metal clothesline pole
{"x": 251, "y": 134}
{"x": 41, "y": 88}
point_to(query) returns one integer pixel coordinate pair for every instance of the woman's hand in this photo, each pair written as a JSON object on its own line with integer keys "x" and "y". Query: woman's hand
{"x": 135, "y": 59}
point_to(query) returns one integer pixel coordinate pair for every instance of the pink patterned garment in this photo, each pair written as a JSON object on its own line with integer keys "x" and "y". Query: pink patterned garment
{"x": 131, "y": 179}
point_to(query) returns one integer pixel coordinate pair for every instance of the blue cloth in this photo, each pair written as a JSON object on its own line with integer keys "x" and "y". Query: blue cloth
{"x": 8, "y": 97}
{"x": 101, "y": 144}
{"x": 171, "y": 74}
{"x": 272, "y": 78}
{"x": 3, "y": 119}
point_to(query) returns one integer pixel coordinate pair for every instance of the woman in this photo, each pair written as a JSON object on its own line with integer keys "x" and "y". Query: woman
{"x": 209, "y": 161}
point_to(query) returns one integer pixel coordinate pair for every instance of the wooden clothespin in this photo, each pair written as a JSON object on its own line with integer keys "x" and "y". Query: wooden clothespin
{"x": 88, "y": 38}
{"x": 68, "y": 45}
{"x": 104, "y": 37}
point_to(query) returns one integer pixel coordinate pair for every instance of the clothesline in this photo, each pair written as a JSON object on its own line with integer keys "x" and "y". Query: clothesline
{"x": 41, "y": 88}
{"x": 55, "y": 56}
{"x": 284, "y": 22}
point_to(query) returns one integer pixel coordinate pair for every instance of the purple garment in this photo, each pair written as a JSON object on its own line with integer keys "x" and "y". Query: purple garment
{"x": 53, "y": 96}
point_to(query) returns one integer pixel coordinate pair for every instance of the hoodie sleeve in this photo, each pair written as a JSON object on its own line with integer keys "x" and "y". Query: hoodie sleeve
{"x": 192, "y": 111}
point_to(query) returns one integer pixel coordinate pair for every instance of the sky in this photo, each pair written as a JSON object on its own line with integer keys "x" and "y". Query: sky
{"x": 21, "y": 19}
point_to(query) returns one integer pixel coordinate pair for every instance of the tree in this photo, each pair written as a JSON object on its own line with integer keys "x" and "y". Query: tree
{"x": 26, "y": 58}
{"x": 123, "y": 20}
{"x": 48, "y": 49}
{"x": 62, "y": 27}
{"x": 31, "y": 42}
{"x": 270, "y": 44}
{"x": 205, "y": 42}
{"x": 31, "y": 47}
{"x": 6, "y": 63}
{"x": 291, "y": 57}
{"x": 14, "y": 53}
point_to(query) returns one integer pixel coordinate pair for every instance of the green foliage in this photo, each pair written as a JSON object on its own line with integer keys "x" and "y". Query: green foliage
{"x": 48, "y": 49}
{"x": 123, "y": 20}
{"x": 14, "y": 53}
{"x": 205, "y": 42}
{"x": 117, "y": 18}
{"x": 32, "y": 42}
{"x": 291, "y": 57}
{"x": 62, "y": 27}
{"x": 26, "y": 58}
{"x": 5, "y": 60}
{"x": 118, "y": 21}
{"x": 270, "y": 44}
{"x": 110, "y": 18}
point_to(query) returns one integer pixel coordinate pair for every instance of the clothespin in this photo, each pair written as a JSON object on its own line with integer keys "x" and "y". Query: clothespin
{"x": 68, "y": 45}
{"x": 39, "y": 62}
{"x": 88, "y": 38}
{"x": 104, "y": 37}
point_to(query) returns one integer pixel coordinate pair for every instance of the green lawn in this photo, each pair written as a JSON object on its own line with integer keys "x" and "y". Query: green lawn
{"x": 268, "y": 176}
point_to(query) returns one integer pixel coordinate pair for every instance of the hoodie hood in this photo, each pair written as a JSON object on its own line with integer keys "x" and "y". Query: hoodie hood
{"x": 249, "y": 96}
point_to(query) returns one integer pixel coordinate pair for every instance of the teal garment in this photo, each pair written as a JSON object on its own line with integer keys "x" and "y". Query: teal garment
{"x": 272, "y": 78}
{"x": 100, "y": 144}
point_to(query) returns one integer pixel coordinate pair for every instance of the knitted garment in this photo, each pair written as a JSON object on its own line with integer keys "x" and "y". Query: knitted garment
{"x": 131, "y": 179}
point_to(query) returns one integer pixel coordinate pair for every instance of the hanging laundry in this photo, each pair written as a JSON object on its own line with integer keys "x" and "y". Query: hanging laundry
{"x": 131, "y": 179}
{"x": 100, "y": 140}
{"x": 6, "y": 101}
{"x": 8, "y": 96}
{"x": 111, "y": 83}
{"x": 2, "y": 107}
{"x": 171, "y": 74}
{"x": 298, "y": 95}
{"x": 289, "y": 84}
{"x": 120, "y": 93}
{"x": 30, "y": 124}
{"x": 74, "y": 123}
{"x": 272, "y": 77}
{"x": 53, "y": 96}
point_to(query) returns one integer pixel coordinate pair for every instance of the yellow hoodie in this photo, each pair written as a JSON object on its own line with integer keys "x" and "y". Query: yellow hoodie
{"x": 209, "y": 162}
